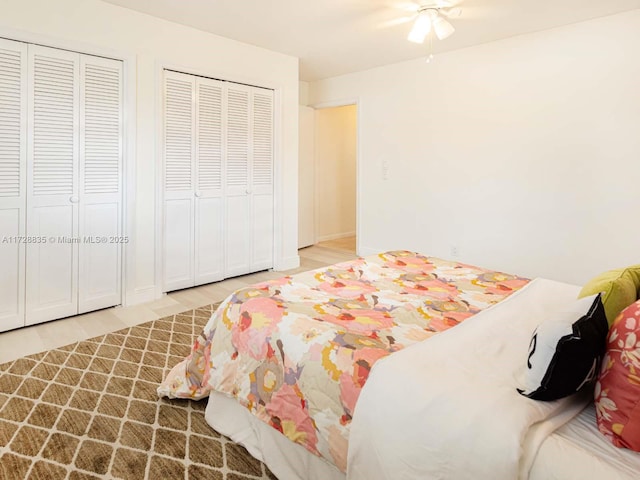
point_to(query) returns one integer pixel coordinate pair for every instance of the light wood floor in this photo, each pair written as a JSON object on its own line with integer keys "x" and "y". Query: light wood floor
{"x": 347, "y": 244}
{"x": 38, "y": 338}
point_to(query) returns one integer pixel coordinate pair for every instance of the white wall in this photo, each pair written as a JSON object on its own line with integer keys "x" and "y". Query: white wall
{"x": 335, "y": 153}
{"x": 523, "y": 153}
{"x": 95, "y": 24}
{"x": 303, "y": 93}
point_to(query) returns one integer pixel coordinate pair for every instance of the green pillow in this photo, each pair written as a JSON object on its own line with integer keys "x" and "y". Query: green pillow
{"x": 620, "y": 289}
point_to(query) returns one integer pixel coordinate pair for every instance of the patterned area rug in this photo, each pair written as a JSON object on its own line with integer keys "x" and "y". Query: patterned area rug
{"x": 90, "y": 410}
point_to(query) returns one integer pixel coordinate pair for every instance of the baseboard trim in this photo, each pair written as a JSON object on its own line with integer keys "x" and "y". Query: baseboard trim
{"x": 140, "y": 295}
{"x": 335, "y": 236}
{"x": 288, "y": 263}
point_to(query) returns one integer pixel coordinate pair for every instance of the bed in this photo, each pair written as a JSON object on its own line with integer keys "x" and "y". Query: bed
{"x": 285, "y": 364}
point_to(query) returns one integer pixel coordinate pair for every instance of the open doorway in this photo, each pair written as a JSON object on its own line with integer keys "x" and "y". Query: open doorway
{"x": 328, "y": 177}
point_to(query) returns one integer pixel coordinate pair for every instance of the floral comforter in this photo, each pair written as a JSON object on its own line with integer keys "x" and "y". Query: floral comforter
{"x": 297, "y": 351}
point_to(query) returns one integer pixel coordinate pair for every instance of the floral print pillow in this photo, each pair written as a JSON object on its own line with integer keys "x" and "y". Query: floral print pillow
{"x": 617, "y": 393}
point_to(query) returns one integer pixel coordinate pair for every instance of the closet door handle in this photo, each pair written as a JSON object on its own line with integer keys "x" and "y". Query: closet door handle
{"x": 74, "y": 199}
{"x": 248, "y": 191}
{"x": 198, "y": 194}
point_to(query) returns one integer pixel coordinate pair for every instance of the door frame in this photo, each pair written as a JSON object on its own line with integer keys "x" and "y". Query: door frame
{"x": 128, "y": 294}
{"x": 312, "y": 112}
{"x": 333, "y": 104}
{"x": 161, "y": 66}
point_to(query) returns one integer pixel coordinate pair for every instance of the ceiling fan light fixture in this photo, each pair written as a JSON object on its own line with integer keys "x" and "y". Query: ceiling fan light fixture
{"x": 433, "y": 17}
{"x": 421, "y": 28}
{"x": 442, "y": 28}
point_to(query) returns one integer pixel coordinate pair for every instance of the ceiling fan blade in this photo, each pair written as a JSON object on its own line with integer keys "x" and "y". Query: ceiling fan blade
{"x": 396, "y": 13}
{"x": 409, "y": 7}
{"x": 454, "y": 12}
{"x": 396, "y": 21}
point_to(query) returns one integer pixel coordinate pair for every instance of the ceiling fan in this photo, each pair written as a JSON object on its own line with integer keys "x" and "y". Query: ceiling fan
{"x": 433, "y": 16}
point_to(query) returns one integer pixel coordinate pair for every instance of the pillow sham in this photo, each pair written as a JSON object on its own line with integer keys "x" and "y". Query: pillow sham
{"x": 617, "y": 393}
{"x": 619, "y": 287}
{"x": 565, "y": 351}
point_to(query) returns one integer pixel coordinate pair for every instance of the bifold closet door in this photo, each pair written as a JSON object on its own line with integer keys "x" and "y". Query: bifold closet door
{"x": 179, "y": 166}
{"x": 249, "y": 178}
{"x": 52, "y": 187}
{"x": 100, "y": 221}
{"x": 218, "y": 180}
{"x": 209, "y": 201}
{"x": 74, "y": 184}
{"x": 262, "y": 180}
{"x": 13, "y": 137}
{"x": 193, "y": 135}
{"x": 238, "y": 187}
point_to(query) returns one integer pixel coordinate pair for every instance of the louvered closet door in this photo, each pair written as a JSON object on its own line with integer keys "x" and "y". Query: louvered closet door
{"x": 101, "y": 133}
{"x": 262, "y": 179}
{"x": 209, "y": 206}
{"x": 13, "y": 135}
{"x": 52, "y": 189}
{"x": 179, "y": 165}
{"x": 238, "y": 188}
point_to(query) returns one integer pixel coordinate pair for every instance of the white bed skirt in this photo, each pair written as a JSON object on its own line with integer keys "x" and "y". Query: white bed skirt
{"x": 287, "y": 460}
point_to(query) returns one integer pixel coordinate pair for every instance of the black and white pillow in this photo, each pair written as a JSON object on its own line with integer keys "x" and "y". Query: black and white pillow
{"x": 565, "y": 351}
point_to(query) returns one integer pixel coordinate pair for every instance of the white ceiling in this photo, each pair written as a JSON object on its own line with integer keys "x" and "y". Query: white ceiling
{"x": 334, "y": 37}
